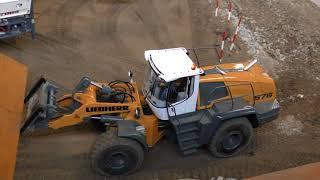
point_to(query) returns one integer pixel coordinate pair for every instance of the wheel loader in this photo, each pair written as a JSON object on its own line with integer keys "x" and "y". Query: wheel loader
{"x": 211, "y": 106}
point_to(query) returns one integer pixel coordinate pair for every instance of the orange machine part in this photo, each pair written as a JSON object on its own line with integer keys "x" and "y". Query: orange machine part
{"x": 13, "y": 79}
{"x": 309, "y": 171}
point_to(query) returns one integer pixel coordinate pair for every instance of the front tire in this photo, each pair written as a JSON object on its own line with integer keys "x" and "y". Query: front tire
{"x": 231, "y": 138}
{"x": 113, "y": 155}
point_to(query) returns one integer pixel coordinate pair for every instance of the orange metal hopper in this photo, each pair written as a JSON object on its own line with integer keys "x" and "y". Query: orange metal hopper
{"x": 13, "y": 77}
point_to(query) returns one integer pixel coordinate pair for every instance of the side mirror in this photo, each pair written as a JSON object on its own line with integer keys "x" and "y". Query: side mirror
{"x": 130, "y": 74}
{"x": 137, "y": 113}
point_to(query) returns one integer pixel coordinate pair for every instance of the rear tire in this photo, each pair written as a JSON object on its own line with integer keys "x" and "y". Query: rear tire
{"x": 232, "y": 137}
{"x": 113, "y": 155}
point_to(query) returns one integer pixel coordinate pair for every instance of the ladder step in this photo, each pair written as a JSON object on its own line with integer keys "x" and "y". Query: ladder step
{"x": 195, "y": 128}
{"x": 186, "y": 127}
{"x": 187, "y": 130}
{"x": 182, "y": 121}
{"x": 187, "y": 118}
{"x": 188, "y": 136}
{"x": 190, "y": 151}
{"x": 188, "y": 145}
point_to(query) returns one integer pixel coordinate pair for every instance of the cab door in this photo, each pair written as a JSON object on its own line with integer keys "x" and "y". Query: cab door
{"x": 225, "y": 93}
{"x": 241, "y": 89}
{"x": 183, "y": 101}
{"x": 215, "y": 95}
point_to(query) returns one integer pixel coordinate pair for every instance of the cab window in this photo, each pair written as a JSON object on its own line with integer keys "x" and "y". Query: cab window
{"x": 212, "y": 91}
{"x": 180, "y": 89}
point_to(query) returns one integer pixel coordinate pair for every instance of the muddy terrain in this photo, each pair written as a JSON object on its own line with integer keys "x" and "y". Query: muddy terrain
{"x": 105, "y": 38}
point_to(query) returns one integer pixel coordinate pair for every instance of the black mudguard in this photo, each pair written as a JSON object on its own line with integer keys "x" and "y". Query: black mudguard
{"x": 210, "y": 122}
{"x": 238, "y": 113}
{"x": 127, "y": 129}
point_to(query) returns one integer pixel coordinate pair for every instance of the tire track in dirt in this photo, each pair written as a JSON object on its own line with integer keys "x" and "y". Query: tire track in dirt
{"x": 43, "y": 42}
{"x": 67, "y": 12}
{"x": 149, "y": 15}
{"x": 104, "y": 27}
{"x": 114, "y": 46}
{"x": 111, "y": 30}
{"x": 39, "y": 12}
{"x": 106, "y": 35}
{"x": 150, "y": 30}
{"x": 204, "y": 29}
{"x": 46, "y": 62}
{"x": 68, "y": 155}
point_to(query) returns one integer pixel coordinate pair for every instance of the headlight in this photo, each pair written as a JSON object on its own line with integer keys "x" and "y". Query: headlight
{"x": 141, "y": 129}
{"x": 137, "y": 113}
{"x": 275, "y": 105}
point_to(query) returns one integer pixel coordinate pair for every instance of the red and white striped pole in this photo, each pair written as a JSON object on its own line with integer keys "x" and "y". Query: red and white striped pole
{"x": 224, "y": 37}
{"x": 217, "y": 7}
{"x": 229, "y": 12}
{"x": 235, "y": 34}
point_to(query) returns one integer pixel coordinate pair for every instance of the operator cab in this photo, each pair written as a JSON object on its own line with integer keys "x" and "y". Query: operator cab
{"x": 172, "y": 83}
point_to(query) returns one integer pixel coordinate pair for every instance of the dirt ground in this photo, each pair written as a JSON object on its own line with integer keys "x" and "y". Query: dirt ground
{"x": 106, "y": 38}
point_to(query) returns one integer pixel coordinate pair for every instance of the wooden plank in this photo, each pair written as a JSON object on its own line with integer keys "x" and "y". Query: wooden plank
{"x": 309, "y": 171}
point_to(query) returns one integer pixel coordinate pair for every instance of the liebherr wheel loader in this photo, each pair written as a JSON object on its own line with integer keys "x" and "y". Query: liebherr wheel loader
{"x": 217, "y": 106}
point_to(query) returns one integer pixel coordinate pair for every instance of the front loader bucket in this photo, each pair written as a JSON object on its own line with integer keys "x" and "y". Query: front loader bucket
{"x": 40, "y": 105}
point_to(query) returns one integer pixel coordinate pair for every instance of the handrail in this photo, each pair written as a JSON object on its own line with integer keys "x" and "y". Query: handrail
{"x": 201, "y": 48}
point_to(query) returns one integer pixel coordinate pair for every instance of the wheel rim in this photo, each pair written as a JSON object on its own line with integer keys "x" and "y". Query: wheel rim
{"x": 117, "y": 161}
{"x": 232, "y": 141}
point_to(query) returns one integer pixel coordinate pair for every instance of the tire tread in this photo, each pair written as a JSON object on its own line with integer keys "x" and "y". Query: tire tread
{"x": 237, "y": 121}
{"x": 108, "y": 139}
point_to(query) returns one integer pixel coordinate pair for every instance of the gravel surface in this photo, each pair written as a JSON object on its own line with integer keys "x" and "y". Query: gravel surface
{"x": 317, "y": 2}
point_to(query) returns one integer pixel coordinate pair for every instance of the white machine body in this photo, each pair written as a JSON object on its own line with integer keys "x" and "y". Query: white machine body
{"x": 13, "y": 8}
{"x": 173, "y": 84}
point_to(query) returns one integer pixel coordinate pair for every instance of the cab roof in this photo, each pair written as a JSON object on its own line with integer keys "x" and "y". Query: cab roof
{"x": 172, "y": 64}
